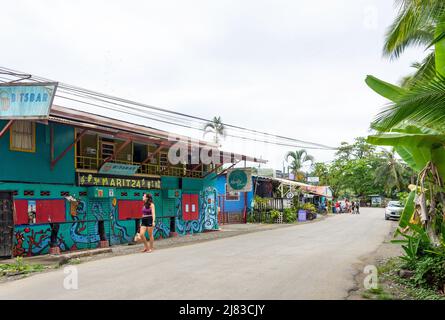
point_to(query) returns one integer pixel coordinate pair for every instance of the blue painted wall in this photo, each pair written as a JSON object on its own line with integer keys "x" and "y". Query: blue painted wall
{"x": 232, "y": 206}
{"x": 35, "y": 166}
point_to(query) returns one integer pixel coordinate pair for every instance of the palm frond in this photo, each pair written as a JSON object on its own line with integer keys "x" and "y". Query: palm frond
{"x": 413, "y": 26}
{"x": 424, "y": 103}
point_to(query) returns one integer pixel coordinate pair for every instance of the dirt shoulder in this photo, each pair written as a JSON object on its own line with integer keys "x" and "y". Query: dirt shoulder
{"x": 380, "y": 256}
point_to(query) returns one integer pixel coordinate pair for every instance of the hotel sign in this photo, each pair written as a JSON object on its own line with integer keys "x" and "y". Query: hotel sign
{"x": 118, "y": 169}
{"x": 90, "y": 179}
{"x": 26, "y": 100}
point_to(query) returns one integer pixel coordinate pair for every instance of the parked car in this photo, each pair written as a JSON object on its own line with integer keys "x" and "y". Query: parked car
{"x": 393, "y": 210}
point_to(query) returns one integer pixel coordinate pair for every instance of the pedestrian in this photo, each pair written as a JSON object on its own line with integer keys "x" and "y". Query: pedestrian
{"x": 357, "y": 207}
{"x": 352, "y": 207}
{"x": 148, "y": 221}
{"x": 337, "y": 207}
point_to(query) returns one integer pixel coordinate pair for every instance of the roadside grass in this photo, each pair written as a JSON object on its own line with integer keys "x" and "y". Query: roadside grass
{"x": 19, "y": 267}
{"x": 400, "y": 288}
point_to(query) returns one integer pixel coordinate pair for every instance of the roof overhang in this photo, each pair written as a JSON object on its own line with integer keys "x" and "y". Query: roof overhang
{"x": 129, "y": 131}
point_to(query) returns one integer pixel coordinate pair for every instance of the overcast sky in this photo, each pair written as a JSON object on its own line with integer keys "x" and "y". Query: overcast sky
{"x": 294, "y": 68}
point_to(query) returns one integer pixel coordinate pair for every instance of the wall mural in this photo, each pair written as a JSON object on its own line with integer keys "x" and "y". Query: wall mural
{"x": 208, "y": 219}
{"x": 81, "y": 230}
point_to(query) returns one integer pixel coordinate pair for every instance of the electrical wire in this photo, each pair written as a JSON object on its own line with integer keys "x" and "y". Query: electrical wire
{"x": 175, "y": 119}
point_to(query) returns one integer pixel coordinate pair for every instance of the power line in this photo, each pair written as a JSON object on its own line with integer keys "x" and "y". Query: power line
{"x": 88, "y": 94}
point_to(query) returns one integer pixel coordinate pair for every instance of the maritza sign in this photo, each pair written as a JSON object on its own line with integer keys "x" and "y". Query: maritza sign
{"x": 239, "y": 180}
{"x": 26, "y": 100}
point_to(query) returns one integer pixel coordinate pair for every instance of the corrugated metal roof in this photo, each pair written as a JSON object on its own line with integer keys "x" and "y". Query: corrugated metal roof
{"x": 139, "y": 133}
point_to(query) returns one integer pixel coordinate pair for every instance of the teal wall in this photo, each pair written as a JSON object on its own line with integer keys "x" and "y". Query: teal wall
{"x": 35, "y": 166}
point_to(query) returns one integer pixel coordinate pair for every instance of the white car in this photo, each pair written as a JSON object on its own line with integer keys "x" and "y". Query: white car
{"x": 393, "y": 210}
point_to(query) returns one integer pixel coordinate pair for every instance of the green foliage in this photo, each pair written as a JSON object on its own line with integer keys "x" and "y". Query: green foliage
{"x": 359, "y": 170}
{"x": 297, "y": 160}
{"x": 260, "y": 201}
{"x": 309, "y": 207}
{"x": 403, "y": 197}
{"x": 251, "y": 218}
{"x": 19, "y": 267}
{"x": 430, "y": 272}
{"x": 408, "y": 210}
{"x": 274, "y": 214}
{"x": 289, "y": 215}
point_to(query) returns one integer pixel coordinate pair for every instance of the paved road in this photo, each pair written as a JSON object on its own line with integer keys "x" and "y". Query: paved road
{"x": 310, "y": 261}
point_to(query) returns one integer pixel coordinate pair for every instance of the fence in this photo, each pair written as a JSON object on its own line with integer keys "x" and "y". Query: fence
{"x": 261, "y": 210}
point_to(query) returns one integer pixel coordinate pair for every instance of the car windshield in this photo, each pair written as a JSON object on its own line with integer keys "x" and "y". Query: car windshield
{"x": 394, "y": 204}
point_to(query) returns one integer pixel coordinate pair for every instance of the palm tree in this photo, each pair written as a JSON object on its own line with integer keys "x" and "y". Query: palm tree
{"x": 390, "y": 172}
{"x": 421, "y": 101}
{"x": 298, "y": 158}
{"x": 216, "y": 127}
{"x": 415, "y": 25}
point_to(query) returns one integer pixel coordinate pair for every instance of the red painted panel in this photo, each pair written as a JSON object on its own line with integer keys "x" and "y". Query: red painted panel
{"x": 186, "y": 207}
{"x": 194, "y": 207}
{"x": 50, "y": 210}
{"x": 130, "y": 209}
{"x": 21, "y": 210}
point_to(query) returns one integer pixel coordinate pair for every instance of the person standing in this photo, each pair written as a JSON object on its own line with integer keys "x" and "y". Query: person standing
{"x": 352, "y": 207}
{"x": 148, "y": 221}
{"x": 357, "y": 207}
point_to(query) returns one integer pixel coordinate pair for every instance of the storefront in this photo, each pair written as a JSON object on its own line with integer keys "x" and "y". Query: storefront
{"x": 75, "y": 180}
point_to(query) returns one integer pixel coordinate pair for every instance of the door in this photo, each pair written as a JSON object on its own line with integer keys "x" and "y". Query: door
{"x": 6, "y": 224}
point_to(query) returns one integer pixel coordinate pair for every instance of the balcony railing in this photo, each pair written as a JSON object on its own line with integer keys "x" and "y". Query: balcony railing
{"x": 93, "y": 163}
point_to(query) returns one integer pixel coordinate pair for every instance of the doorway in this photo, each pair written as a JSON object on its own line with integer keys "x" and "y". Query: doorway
{"x": 6, "y": 223}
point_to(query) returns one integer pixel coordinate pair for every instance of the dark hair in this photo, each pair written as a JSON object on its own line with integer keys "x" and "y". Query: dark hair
{"x": 149, "y": 200}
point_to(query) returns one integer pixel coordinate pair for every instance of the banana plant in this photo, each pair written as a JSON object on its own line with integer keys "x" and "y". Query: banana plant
{"x": 413, "y": 125}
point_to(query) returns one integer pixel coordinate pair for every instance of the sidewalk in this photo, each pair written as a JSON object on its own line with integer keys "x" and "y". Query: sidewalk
{"x": 225, "y": 231}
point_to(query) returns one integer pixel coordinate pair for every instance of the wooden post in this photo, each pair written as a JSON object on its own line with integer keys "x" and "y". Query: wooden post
{"x": 54, "y": 162}
{"x": 6, "y": 127}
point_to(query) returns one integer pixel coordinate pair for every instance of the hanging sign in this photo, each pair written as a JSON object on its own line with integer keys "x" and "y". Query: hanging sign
{"x": 90, "y": 179}
{"x": 239, "y": 180}
{"x": 26, "y": 100}
{"x": 118, "y": 169}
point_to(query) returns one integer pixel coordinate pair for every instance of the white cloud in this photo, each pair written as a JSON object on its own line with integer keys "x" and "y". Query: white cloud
{"x": 294, "y": 68}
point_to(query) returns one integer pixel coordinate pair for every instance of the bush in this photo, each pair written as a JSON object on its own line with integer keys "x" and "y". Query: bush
{"x": 309, "y": 207}
{"x": 274, "y": 215}
{"x": 251, "y": 218}
{"x": 289, "y": 215}
{"x": 430, "y": 272}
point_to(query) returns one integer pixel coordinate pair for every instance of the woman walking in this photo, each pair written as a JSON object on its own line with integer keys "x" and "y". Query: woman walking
{"x": 148, "y": 221}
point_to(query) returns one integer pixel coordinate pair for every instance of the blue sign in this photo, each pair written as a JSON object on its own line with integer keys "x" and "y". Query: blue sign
{"x": 26, "y": 100}
{"x": 118, "y": 169}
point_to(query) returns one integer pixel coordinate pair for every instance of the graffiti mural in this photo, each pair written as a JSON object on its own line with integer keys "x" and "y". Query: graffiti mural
{"x": 34, "y": 241}
{"x": 209, "y": 207}
{"x": 207, "y": 214}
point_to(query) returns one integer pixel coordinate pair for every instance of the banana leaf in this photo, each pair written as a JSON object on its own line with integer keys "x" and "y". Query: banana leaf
{"x": 440, "y": 48}
{"x": 384, "y": 89}
{"x": 415, "y": 149}
{"x": 408, "y": 211}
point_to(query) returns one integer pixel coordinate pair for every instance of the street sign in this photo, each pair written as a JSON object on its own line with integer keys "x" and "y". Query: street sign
{"x": 26, "y": 100}
{"x": 313, "y": 179}
{"x": 290, "y": 195}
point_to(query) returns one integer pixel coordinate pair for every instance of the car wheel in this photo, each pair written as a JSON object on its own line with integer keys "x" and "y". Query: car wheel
{"x": 386, "y": 217}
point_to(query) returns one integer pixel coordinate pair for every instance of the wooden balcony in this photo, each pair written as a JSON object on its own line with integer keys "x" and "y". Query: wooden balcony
{"x": 93, "y": 164}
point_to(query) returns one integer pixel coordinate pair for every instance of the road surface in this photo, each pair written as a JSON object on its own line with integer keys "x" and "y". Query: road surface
{"x": 309, "y": 261}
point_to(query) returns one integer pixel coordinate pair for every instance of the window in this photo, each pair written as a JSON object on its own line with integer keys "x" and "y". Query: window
{"x": 23, "y": 136}
{"x": 232, "y": 196}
